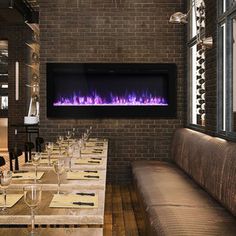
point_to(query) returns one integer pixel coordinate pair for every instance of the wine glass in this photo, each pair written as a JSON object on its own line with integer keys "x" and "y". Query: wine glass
{"x": 36, "y": 161}
{"x": 49, "y": 149}
{"x": 68, "y": 136}
{"x": 73, "y": 133}
{"x": 6, "y": 177}
{"x": 70, "y": 152}
{"x": 60, "y": 140}
{"x": 32, "y": 197}
{"x": 59, "y": 169}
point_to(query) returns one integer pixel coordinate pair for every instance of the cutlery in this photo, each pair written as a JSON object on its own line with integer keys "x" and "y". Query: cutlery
{"x": 86, "y": 194}
{"x": 20, "y": 171}
{"x": 91, "y": 176}
{"x": 94, "y": 162}
{"x": 90, "y": 171}
{"x": 17, "y": 176}
{"x": 83, "y": 203}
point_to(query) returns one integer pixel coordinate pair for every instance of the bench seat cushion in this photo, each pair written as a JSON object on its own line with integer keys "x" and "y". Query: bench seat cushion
{"x": 162, "y": 183}
{"x": 190, "y": 221}
{"x": 176, "y": 205}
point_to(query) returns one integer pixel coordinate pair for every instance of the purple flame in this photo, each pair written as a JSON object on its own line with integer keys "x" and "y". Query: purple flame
{"x": 130, "y": 99}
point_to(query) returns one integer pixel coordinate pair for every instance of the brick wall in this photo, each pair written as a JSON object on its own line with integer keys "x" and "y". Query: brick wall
{"x": 114, "y": 31}
{"x": 16, "y": 35}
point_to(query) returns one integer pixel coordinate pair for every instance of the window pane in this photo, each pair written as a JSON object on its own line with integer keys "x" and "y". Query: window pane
{"x": 3, "y": 102}
{"x": 193, "y": 85}
{"x": 234, "y": 75}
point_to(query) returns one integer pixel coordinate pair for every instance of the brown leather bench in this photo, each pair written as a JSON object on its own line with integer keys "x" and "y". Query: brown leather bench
{"x": 194, "y": 195}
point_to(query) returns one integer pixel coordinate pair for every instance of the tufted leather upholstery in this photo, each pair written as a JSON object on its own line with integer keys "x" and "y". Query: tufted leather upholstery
{"x": 174, "y": 202}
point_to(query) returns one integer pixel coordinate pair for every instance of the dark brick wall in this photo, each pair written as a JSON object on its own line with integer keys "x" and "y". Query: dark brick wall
{"x": 114, "y": 31}
{"x": 16, "y": 35}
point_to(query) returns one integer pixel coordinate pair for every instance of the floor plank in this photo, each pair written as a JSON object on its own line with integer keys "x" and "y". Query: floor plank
{"x": 107, "y": 230}
{"x": 123, "y": 215}
{"x": 118, "y": 227}
{"x": 129, "y": 217}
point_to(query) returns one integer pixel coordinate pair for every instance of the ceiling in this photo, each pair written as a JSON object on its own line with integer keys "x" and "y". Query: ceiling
{"x": 18, "y": 11}
{"x": 34, "y": 4}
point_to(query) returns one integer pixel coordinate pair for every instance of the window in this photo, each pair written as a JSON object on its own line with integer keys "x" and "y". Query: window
{"x": 227, "y": 68}
{"x": 197, "y": 65}
{"x": 3, "y": 78}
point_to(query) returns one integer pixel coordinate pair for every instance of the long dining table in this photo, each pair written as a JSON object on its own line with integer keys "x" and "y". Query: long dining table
{"x": 81, "y": 200}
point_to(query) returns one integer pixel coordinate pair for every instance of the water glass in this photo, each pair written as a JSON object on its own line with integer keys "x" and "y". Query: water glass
{"x": 32, "y": 197}
{"x": 70, "y": 153}
{"x": 36, "y": 161}
{"x": 6, "y": 177}
{"x": 68, "y": 136}
{"x": 60, "y": 140}
{"x": 59, "y": 169}
{"x": 49, "y": 149}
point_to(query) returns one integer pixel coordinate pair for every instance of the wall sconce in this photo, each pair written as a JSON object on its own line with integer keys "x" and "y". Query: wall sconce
{"x": 181, "y": 18}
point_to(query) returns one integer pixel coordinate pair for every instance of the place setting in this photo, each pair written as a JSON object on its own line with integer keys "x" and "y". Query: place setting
{"x": 75, "y": 200}
{"x": 30, "y": 175}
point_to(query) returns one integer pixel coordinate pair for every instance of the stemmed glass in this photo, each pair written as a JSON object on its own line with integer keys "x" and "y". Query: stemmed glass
{"x": 59, "y": 169}
{"x": 70, "y": 152}
{"x": 32, "y": 197}
{"x": 60, "y": 140}
{"x": 6, "y": 177}
{"x": 49, "y": 149}
{"x": 36, "y": 161}
{"x": 73, "y": 133}
{"x": 68, "y": 136}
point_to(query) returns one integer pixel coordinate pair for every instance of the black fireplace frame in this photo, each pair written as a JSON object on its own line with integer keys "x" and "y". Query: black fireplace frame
{"x": 81, "y": 112}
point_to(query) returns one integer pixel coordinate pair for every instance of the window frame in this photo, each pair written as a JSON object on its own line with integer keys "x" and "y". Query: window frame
{"x": 227, "y": 19}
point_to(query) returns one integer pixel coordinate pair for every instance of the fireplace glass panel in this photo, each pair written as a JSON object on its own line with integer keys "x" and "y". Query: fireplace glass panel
{"x": 108, "y": 89}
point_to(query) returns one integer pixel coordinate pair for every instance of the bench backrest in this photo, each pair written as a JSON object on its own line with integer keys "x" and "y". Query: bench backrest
{"x": 210, "y": 161}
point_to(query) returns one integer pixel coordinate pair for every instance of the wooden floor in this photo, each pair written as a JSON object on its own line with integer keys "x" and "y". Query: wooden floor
{"x": 122, "y": 212}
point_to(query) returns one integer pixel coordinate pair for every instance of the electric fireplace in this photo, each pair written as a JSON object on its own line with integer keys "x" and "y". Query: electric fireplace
{"x": 105, "y": 90}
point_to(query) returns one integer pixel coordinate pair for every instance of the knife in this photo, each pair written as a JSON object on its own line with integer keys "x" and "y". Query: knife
{"x": 83, "y": 203}
{"x": 86, "y": 194}
{"x": 90, "y": 171}
{"x": 94, "y": 162}
{"x": 17, "y": 176}
{"x": 20, "y": 171}
{"x": 91, "y": 176}
{"x": 97, "y": 152}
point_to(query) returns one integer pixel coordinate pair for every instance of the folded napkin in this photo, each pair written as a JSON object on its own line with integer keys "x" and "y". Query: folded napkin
{"x": 94, "y": 144}
{"x": 26, "y": 175}
{"x": 97, "y": 140}
{"x": 12, "y": 199}
{"x": 53, "y": 155}
{"x": 92, "y": 151}
{"x": 87, "y": 161}
{"x": 74, "y": 201}
{"x": 81, "y": 175}
{"x": 45, "y": 161}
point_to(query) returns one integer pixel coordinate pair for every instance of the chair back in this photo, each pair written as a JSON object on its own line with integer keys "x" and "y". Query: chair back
{"x": 38, "y": 142}
{"x": 14, "y": 153}
{"x": 28, "y": 150}
{"x": 2, "y": 161}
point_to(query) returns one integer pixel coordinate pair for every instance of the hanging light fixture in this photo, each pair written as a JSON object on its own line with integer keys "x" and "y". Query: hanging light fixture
{"x": 181, "y": 18}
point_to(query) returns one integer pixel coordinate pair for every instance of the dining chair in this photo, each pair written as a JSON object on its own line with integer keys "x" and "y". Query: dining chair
{"x": 28, "y": 150}
{"x": 2, "y": 161}
{"x": 38, "y": 142}
{"x": 14, "y": 153}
